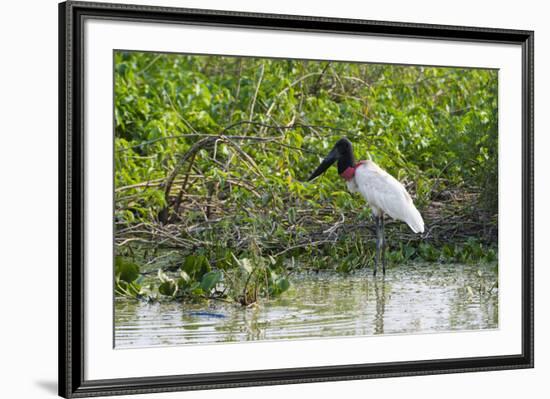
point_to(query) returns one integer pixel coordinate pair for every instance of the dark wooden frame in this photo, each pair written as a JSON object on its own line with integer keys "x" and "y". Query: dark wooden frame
{"x": 71, "y": 200}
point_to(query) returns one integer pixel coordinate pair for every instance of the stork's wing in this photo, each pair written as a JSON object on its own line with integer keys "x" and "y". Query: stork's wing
{"x": 384, "y": 192}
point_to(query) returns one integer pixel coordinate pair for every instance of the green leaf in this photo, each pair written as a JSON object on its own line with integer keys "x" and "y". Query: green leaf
{"x": 210, "y": 279}
{"x": 168, "y": 288}
{"x": 190, "y": 265}
{"x": 196, "y": 266}
{"x": 197, "y": 291}
{"x": 126, "y": 270}
{"x": 185, "y": 277}
{"x": 203, "y": 265}
{"x": 283, "y": 284}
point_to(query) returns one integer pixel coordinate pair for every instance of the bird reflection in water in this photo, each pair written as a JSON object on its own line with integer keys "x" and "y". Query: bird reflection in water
{"x": 380, "y": 294}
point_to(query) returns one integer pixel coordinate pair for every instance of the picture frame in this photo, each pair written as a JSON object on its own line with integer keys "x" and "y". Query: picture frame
{"x": 73, "y": 275}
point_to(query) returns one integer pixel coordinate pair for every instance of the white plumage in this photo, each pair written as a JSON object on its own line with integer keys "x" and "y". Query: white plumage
{"x": 385, "y": 195}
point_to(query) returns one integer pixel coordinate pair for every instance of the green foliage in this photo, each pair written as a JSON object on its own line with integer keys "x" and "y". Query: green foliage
{"x": 196, "y": 266}
{"x": 193, "y": 280}
{"x": 210, "y": 279}
{"x": 125, "y": 269}
{"x": 253, "y": 278}
{"x": 472, "y": 251}
{"x": 127, "y": 278}
{"x": 240, "y": 200}
{"x": 168, "y": 286}
{"x": 245, "y": 281}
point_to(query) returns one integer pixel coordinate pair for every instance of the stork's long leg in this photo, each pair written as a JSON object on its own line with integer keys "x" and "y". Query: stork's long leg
{"x": 383, "y": 245}
{"x": 377, "y": 220}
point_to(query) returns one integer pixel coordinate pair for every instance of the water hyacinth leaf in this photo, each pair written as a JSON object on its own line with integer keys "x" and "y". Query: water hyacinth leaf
{"x": 491, "y": 255}
{"x": 134, "y": 288}
{"x": 210, "y": 279}
{"x": 184, "y": 277}
{"x": 198, "y": 291}
{"x": 409, "y": 251}
{"x": 203, "y": 265}
{"x": 196, "y": 266}
{"x": 125, "y": 269}
{"x": 168, "y": 288}
{"x": 283, "y": 284}
{"x": 189, "y": 265}
{"x": 129, "y": 290}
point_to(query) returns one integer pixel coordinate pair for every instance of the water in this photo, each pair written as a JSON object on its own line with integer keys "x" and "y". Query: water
{"x": 414, "y": 298}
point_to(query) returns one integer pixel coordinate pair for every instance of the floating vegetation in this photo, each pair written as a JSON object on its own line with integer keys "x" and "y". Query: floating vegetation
{"x": 236, "y": 280}
{"x": 251, "y": 278}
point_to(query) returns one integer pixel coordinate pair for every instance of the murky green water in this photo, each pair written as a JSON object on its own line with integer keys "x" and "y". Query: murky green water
{"x": 414, "y": 298}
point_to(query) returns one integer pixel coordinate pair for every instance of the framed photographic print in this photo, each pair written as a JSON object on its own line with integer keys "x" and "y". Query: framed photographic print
{"x": 298, "y": 198}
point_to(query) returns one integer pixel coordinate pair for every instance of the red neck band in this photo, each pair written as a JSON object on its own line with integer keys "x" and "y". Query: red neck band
{"x": 349, "y": 173}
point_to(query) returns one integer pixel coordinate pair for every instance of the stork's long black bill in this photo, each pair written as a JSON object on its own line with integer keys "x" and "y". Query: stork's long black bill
{"x": 329, "y": 160}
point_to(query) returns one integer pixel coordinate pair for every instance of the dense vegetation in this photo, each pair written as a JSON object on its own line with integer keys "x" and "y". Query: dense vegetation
{"x": 211, "y": 154}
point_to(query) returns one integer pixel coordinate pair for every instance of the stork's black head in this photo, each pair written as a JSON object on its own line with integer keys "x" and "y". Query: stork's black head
{"x": 341, "y": 152}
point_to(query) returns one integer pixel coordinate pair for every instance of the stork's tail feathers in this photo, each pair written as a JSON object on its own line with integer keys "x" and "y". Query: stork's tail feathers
{"x": 415, "y": 221}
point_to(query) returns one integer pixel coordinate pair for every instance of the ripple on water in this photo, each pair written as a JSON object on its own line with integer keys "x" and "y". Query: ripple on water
{"x": 415, "y": 298}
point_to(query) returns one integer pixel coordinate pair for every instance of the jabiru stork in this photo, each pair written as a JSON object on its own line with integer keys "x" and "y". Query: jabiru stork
{"x": 384, "y": 194}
